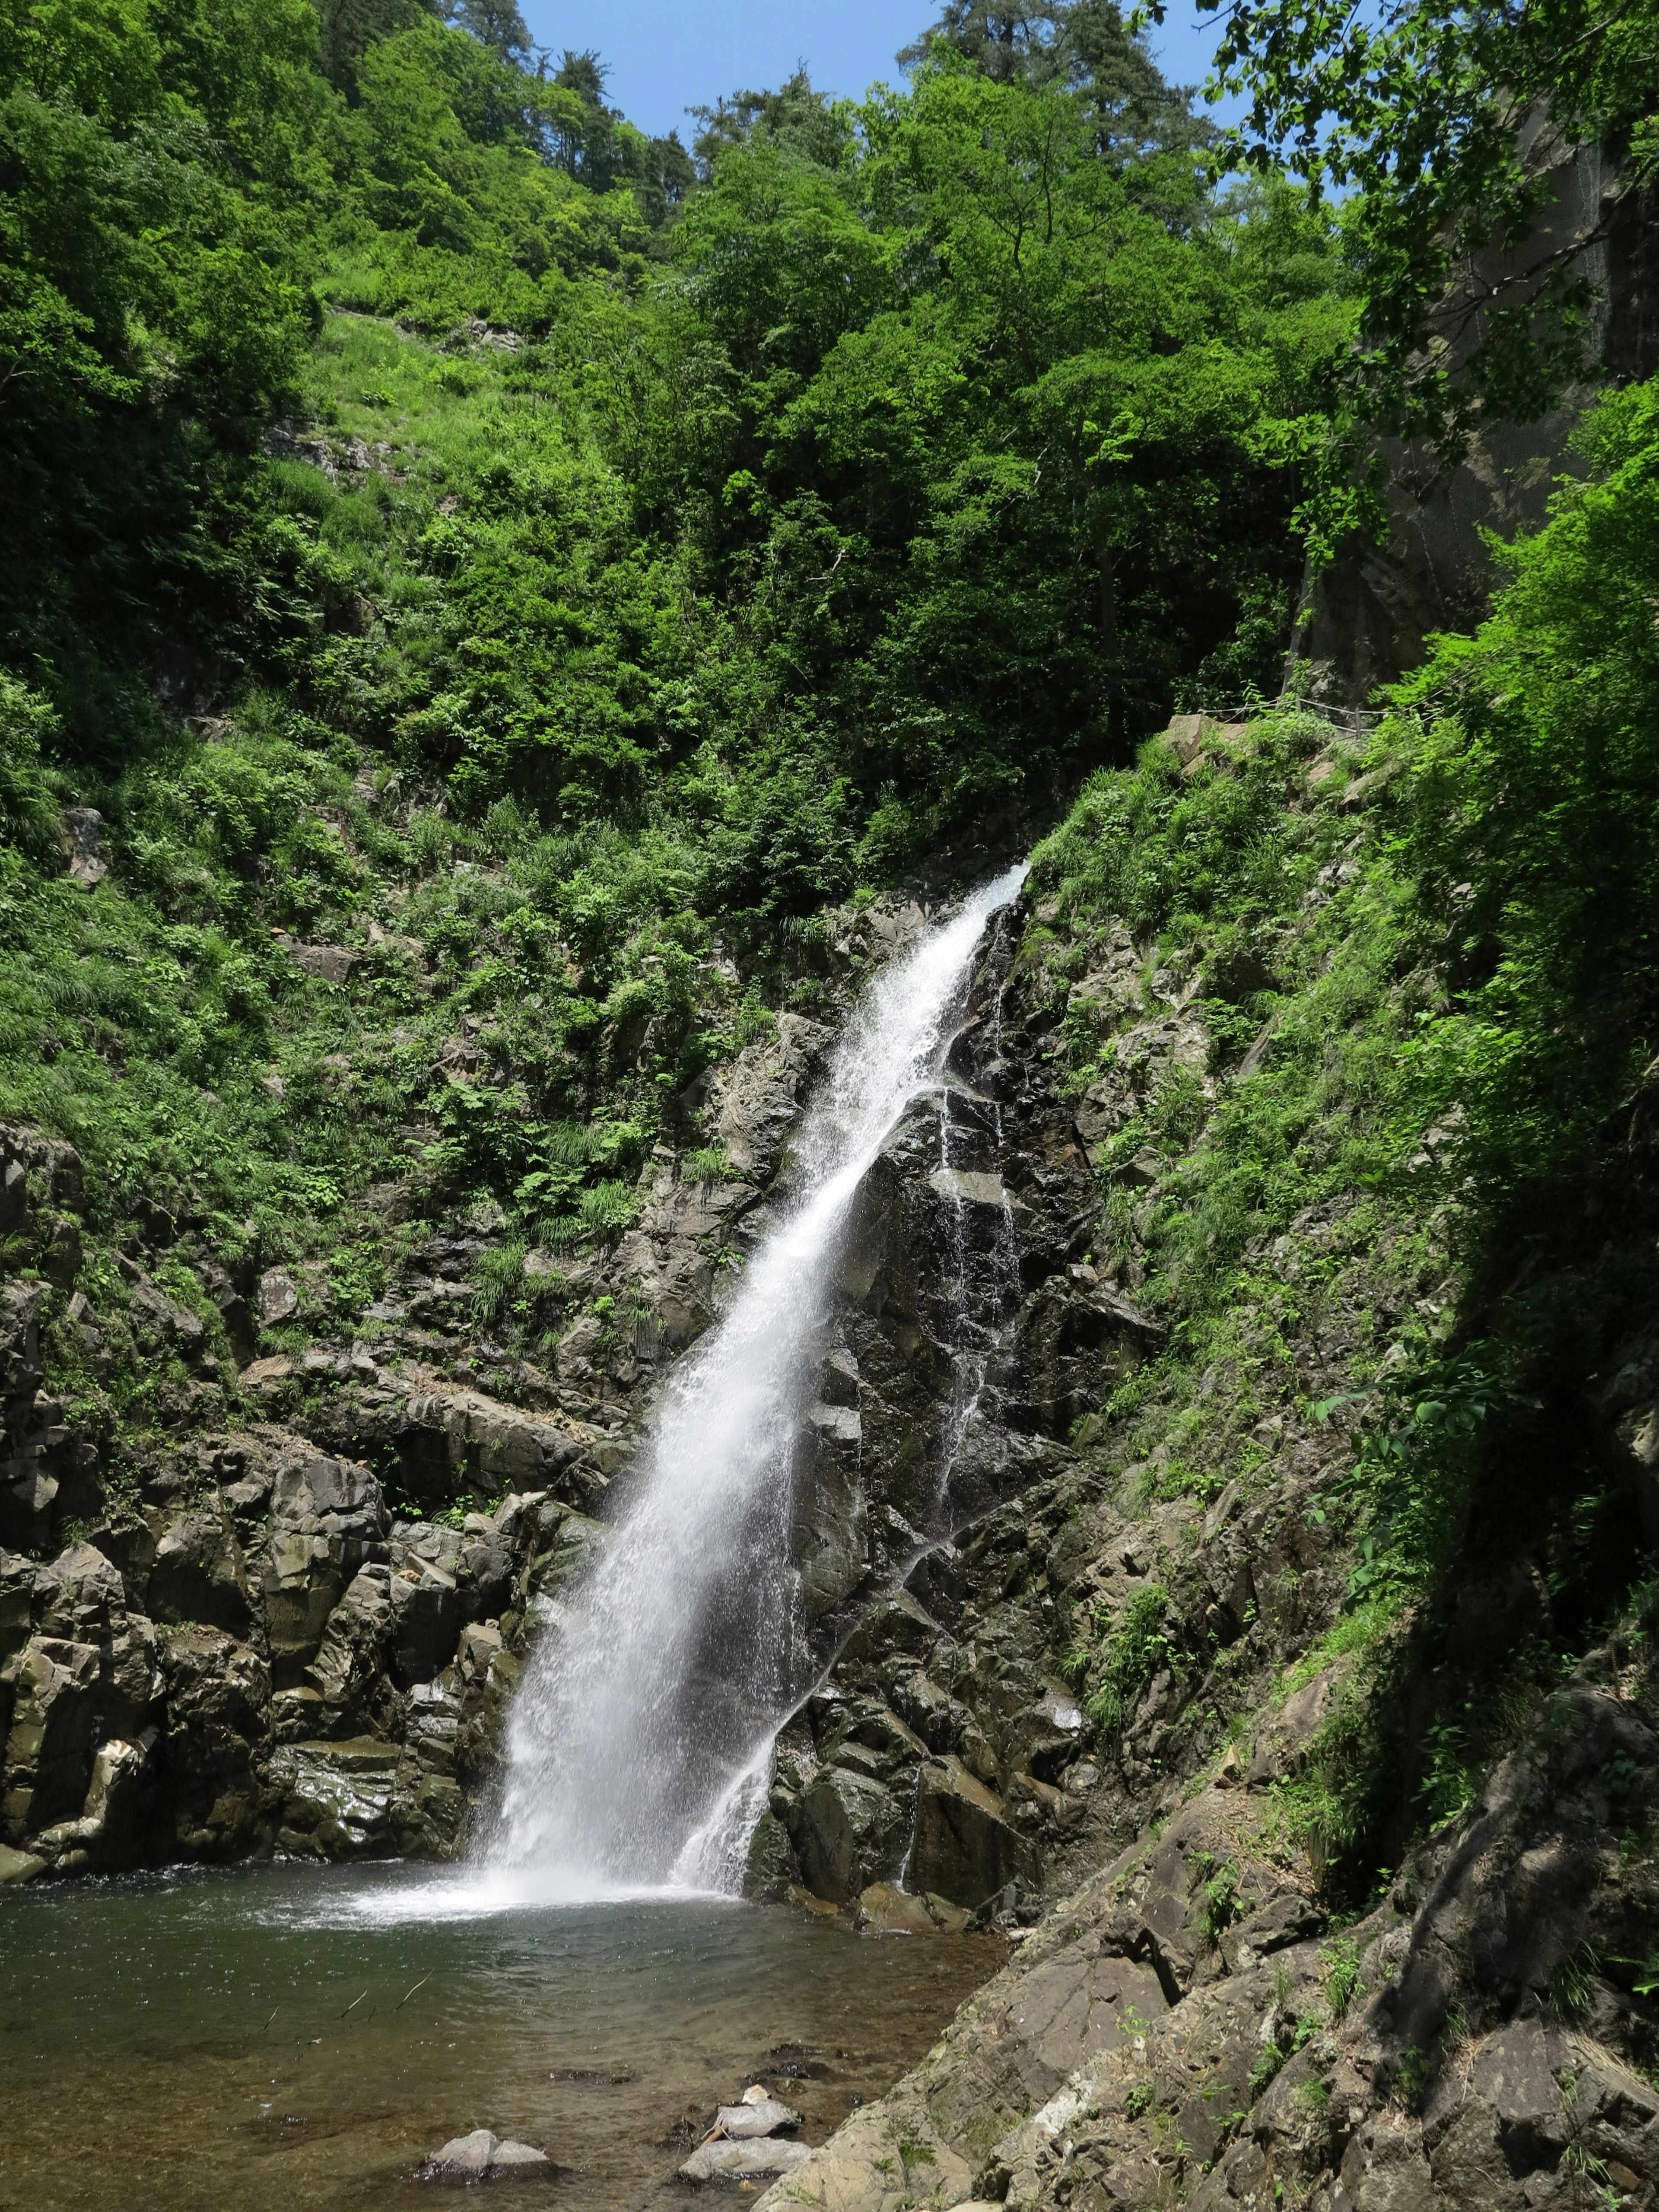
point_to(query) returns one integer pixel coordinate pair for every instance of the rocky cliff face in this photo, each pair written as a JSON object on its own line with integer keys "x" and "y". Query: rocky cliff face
{"x": 1218, "y": 1997}
{"x": 280, "y": 1602}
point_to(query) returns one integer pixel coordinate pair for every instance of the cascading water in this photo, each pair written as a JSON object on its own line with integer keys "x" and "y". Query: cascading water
{"x": 638, "y": 1743}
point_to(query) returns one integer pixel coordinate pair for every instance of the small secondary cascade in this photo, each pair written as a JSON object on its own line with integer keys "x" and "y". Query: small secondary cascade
{"x": 638, "y": 1744}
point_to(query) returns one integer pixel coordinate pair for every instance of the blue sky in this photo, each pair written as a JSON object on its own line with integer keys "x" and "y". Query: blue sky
{"x": 665, "y": 56}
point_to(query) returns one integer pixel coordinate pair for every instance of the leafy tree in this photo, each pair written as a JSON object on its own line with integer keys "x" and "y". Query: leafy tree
{"x": 1536, "y": 790}
{"x": 1444, "y": 120}
{"x": 1083, "y": 45}
{"x": 496, "y": 24}
{"x": 794, "y": 116}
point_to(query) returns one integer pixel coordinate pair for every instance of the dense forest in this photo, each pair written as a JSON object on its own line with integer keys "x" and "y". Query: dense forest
{"x": 706, "y": 532}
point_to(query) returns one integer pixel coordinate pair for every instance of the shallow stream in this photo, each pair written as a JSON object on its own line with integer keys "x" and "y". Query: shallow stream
{"x": 268, "y": 2037}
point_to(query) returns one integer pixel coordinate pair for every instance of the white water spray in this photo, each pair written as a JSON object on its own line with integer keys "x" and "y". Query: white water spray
{"x": 639, "y": 1744}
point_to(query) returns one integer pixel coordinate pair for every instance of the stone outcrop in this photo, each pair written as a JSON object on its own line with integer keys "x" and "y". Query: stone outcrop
{"x": 1186, "y": 2028}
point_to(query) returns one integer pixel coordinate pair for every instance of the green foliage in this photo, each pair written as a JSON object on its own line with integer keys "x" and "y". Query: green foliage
{"x": 1428, "y": 114}
{"x": 1535, "y": 786}
{"x": 1133, "y": 1652}
{"x": 1340, "y": 1959}
{"x": 499, "y": 1282}
{"x": 28, "y": 819}
{"x": 1432, "y": 970}
{"x": 1572, "y": 1983}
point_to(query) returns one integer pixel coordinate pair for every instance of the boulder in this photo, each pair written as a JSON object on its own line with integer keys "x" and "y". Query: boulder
{"x": 326, "y": 1514}
{"x": 329, "y": 963}
{"x": 848, "y": 1831}
{"x": 763, "y": 2160}
{"x": 218, "y": 1697}
{"x": 49, "y": 1748}
{"x": 887, "y": 1911}
{"x": 426, "y": 1616}
{"x": 964, "y": 1848}
{"x": 569, "y": 1559}
{"x": 454, "y": 1440}
{"x": 348, "y": 1672}
{"x": 328, "y": 1496}
{"x": 80, "y": 1596}
{"x": 898, "y": 1624}
{"x": 756, "y": 2116}
{"x": 464, "y": 2158}
{"x": 198, "y": 1573}
{"x": 106, "y": 1834}
{"x": 481, "y": 2157}
{"x": 17, "y": 1576}
{"x": 519, "y": 2158}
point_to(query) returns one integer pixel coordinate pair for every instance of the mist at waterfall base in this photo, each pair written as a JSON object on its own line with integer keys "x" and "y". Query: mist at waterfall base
{"x": 639, "y": 1745}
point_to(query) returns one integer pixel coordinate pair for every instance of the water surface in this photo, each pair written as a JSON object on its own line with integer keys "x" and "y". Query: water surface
{"x": 254, "y": 2037}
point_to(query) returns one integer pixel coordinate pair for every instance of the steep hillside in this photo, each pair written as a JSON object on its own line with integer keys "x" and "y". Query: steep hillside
{"x": 1352, "y": 1574}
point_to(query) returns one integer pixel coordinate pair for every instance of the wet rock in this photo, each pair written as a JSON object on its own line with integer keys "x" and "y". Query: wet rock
{"x": 848, "y": 1831}
{"x": 337, "y": 1799}
{"x": 898, "y": 1624}
{"x": 962, "y": 1186}
{"x": 829, "y": 1523}
{"x": 518, "y": 2159}
{"x": 744, "y": 2161}
{"x": 838, "y": 1379}
{"x": 771, "y": 1869}
{"x": 577, "y": 1545}
{"x": 464, "y": 2158}
{"x": 884, "y": 1910}
{"x": 963, "y": 1849}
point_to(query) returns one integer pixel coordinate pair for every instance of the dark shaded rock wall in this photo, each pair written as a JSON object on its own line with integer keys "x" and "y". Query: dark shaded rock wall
{"x": 1366, "y": 617}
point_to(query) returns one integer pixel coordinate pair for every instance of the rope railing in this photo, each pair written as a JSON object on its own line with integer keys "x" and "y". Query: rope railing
{"x": 1358, "y": 722}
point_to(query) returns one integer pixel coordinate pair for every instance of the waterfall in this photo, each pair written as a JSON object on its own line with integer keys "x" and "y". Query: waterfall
{"x": 638, "y": 1747}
